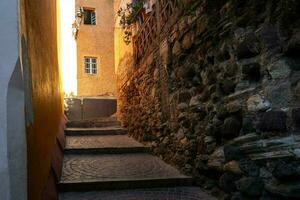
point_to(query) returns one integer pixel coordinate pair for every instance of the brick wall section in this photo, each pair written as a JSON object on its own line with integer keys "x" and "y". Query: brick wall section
{"x": 221, "y": 99}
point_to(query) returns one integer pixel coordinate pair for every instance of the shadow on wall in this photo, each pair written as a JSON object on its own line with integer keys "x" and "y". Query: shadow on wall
{"x": 16, "y": 135}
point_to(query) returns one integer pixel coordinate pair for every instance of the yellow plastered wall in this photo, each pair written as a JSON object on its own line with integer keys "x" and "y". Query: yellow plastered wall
{"x": 122, "y": 50}
{"x": 97, "y": 41}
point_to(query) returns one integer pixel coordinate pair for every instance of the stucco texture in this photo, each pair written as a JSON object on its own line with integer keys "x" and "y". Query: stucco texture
{"x": 8, "y": 60}
{"x": 39, "y": 28}
{"x": 122, "y": 50}
{"x": 97, "y": 41}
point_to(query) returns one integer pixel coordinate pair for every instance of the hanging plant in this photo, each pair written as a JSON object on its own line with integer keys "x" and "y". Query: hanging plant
{"x": 128, "y": 17}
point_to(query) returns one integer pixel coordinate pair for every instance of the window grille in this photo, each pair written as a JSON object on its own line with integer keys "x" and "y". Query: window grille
{"x": 90, "y": 65}
{"x": 89, "y": 17}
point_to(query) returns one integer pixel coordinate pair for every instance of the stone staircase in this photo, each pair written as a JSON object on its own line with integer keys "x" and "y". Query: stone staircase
{"x": 102, "y": 163}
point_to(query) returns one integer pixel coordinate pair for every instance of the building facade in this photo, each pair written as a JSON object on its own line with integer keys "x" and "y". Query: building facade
{"x": 95, "y": 49}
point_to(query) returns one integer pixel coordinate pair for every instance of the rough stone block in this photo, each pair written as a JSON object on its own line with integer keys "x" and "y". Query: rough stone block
{"x": 269, "y": 36}
{"x": 97, "y": 108}
{"x": 286, "y": 171}
{"x": 164, "y": 52}
{"x": 258, "y": 103}
{"x": 279, "y": 94}
{"x": 74, "y": 109}
{"x": 250, "y": 186}
{"x": 231, "y": 127}
{"x": 232, "y": 153}
{"x": 296, "y": 117}
{"x": 227, "y": 182}
{"x": 188, "y": 40}
{"x": 285, "y": 190}
{"x": 273, "y": 121}
{"x": 247, "y": 45}
{"x": 248, "y": 126}
{"x": 216, "y": 159}
{"x": 176, "y": 49}
{"x": 233, "y": 167}
{"x": 250, "y": 69}
{"x": 293, "y": 47}
{"x": 249, "y": 167}
{"x": 280, "y": 69}
{"x": 184, "y": 96}
{"x": 227, "y": 86}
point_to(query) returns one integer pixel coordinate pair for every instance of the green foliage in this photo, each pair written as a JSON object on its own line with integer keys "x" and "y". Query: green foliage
{"x": 128, "y": 17}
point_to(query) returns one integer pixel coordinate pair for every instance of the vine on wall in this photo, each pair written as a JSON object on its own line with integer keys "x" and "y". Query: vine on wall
{"x": 129, "y": 17}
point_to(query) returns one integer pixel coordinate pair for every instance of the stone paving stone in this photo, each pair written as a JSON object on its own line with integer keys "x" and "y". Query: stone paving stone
{"x": 102, "y": 122}
{"x": 95, "y": 131}
{"x": 102, "y": 168}
{"x": 174, "y": 193}
{"x": 85, "y": 168}
{"x": 107, "y": 141}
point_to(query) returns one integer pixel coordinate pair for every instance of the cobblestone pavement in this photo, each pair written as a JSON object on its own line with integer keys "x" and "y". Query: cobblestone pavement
{"x": 102, "y": 122}
{"x": 89, "y": 170}
{"x": 174, "y": 193}
{"x": 109, "y": 141}
{"x": 94, "y": 128}
{"x": 95, "y": 131}
{"x": 108, "y": 167}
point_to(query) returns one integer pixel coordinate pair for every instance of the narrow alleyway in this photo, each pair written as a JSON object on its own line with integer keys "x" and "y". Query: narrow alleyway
{"x": 102, "y": 163}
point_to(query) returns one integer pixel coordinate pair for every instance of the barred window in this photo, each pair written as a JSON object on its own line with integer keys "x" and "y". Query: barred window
{"x": 89, "y": 16}
{"x": 90, "y": 65}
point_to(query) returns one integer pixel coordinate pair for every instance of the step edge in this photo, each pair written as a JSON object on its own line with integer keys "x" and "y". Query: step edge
{"x": 96, "y": 133}
{"x": 100, "y": 148}
{"x": 96, "y": 129}
{"x": 125, "y": 184}
{"x": 182, "y": 177}
{"x": 107, "y": 150}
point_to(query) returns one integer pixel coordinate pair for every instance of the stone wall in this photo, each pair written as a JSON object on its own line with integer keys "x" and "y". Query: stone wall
{"x": 219, "y": 97}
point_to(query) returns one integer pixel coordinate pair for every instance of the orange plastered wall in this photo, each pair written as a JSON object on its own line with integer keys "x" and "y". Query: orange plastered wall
{"x": 39, "y": 28}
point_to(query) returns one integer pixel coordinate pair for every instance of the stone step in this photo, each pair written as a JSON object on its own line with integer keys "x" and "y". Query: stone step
{"x": 171, "y": 193}
{"x": 93, "y": 123}
{"x": 118, "y": 171}
{"x": 95, "y": 131}
{"x": 107, "y": 144}
{"x": 108, "y": 150}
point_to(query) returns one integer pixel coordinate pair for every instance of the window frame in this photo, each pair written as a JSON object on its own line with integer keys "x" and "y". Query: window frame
{"x": 92, "y": 11}
{"x": 90, "y": 65}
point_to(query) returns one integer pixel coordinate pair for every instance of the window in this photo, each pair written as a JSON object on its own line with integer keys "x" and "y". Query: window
{"x": 90, "y": 65}
{"x": 89, "y": 16}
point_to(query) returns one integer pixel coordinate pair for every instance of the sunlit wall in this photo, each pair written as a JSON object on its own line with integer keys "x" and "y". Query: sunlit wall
{"x": 68, "y": 50}
{"x": 121, "y": 49}
{"x": 43, "y": 96}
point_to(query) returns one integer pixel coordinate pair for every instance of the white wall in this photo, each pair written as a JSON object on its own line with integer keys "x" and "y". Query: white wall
{"x": 16, "y": 136}
{"x": 9, "y": 61}
{"x": 68, "y": 46}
